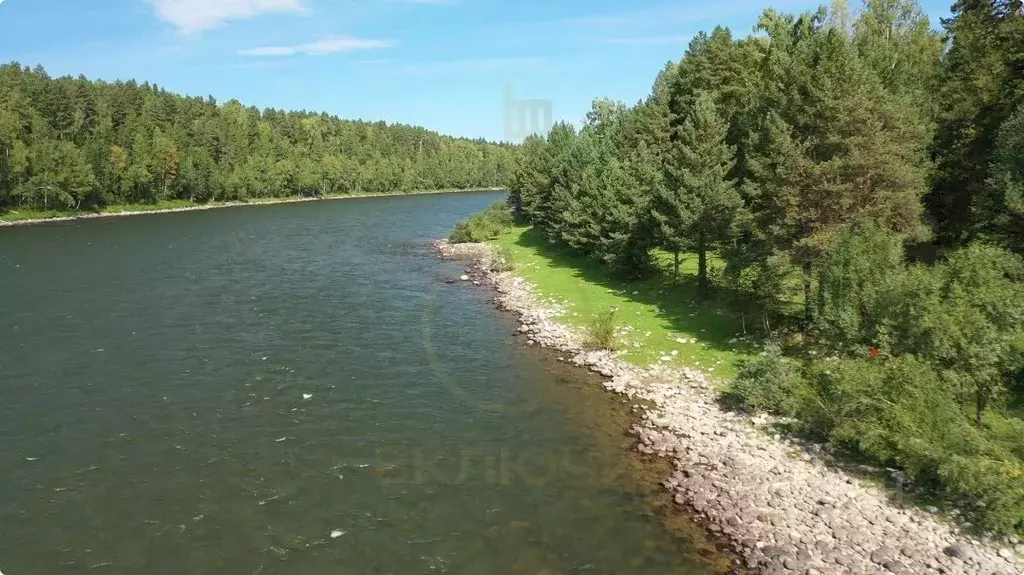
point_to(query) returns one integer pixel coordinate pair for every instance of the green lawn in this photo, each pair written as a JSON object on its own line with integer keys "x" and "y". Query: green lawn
{"x": 653, "y": 314}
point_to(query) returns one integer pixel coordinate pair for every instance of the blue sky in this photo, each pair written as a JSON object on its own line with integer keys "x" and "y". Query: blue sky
{"x": 443, "y": 64}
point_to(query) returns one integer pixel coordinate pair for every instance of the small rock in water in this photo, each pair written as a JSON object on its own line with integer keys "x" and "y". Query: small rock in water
{"x": 280, "y": 440}
{"x": 307, "y": 396}
{"x": 464, "y": 278}
{"x": 337, "y": 533}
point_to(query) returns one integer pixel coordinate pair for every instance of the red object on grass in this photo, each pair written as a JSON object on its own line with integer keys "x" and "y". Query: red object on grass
{"x": 874, "y": 352}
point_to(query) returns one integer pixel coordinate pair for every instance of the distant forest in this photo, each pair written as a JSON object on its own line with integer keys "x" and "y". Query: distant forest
{"x": 77, "y": 144}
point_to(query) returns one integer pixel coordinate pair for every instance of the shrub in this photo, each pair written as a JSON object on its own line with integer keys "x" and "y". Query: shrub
{"x": 772, "y": 382}
{"x": 483, "y": 226}
{"x": 461, "y": 234}
{"x": 965, "y": 317}
{"x": 991, "y": 489}
{"x": 899, "y": 413}
{"x": 601, "y": 331}
{"x": 501, "y": 260}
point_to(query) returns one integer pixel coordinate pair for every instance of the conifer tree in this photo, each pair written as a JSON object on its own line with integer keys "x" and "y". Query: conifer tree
{"x": 699, "y": 204}
{"x": 981, "y": 84}
{"x": 832, "y": 148}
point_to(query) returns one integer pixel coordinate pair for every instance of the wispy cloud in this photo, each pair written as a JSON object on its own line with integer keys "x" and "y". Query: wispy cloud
{"x": 191, "y": 16}
{"x": 321, "y": 47}
{"x": 681, "y": 40}
{"x": 435, "y": 2}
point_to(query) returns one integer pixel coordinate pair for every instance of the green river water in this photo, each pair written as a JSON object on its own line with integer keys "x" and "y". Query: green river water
{"x": 295, "y": 389}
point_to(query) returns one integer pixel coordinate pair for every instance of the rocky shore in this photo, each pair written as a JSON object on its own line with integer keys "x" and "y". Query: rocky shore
{"x": 785, "y": 509}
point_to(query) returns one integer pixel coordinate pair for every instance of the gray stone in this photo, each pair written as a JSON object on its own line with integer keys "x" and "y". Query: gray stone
{"x": 958, "y": 550}
{"x": 793, "y": 564}
{"x": 881, "y": 555}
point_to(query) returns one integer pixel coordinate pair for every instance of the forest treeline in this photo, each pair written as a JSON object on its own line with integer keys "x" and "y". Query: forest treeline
{"x": 75, "y": 144}
{"x": 855, "y": 176}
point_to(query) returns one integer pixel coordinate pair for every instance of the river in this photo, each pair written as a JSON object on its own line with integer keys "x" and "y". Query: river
{"x": 295, "y": 389}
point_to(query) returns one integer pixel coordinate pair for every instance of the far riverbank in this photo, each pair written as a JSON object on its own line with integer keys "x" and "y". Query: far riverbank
{"x": 28, "y": 217}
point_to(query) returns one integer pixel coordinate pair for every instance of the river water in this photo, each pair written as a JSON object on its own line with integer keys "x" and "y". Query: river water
{"x": 295, "y": 389}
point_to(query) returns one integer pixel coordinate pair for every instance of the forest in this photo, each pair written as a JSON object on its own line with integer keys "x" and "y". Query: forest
{"x": 71, "y": 144}
{"x": 853, "y": 178}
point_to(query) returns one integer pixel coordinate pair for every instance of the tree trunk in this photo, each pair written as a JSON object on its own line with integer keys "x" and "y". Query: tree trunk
{"x": 808, "y": 275}
{"x": 675, "y": 269}
{"x": 702, "y": 266}
{"x": 821, "y": 293}
{"x": 981, "y": 403}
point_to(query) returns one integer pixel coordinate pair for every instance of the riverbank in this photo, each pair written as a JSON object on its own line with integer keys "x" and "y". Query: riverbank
{"x": 784, "y": 505}
{"x": 26, "y": 218}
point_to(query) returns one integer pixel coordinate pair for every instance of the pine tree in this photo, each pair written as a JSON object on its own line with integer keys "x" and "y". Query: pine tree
{"x": 982, "y": 83}
{"x": 698, "y": 206}
{"x": 1008, "y": 178}
{"x": 832, "y": 147}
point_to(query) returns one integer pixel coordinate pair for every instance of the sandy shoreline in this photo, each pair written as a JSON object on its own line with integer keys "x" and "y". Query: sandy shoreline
{"x": 779, "y": 502}
{"x": 128, "y": 213}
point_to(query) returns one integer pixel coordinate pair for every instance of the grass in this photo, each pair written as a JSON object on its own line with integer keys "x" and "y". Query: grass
{"x": 17, "y": 215}
{"x": 652, "y": 315}
{"x": 602, "y": 333}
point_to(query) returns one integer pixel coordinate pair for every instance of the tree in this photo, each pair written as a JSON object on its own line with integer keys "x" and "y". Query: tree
{"x": 896, "y": 41}
{"x": 830, "y": 148}
{"x": 981, "y": 84}
{"x": 61, "y": 177}
{"x": 144, "y": 144}
{"x": 698, "y": 206}
{"x": 1007, "y": 180}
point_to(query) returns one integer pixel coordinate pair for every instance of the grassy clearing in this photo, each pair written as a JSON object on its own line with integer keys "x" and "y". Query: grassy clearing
{"x": 653, "y": 316}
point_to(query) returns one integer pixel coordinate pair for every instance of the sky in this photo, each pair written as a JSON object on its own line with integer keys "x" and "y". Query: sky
{"x": 448, "y": 65}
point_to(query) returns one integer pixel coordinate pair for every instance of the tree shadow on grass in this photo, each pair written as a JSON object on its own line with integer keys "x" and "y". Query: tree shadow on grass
{"x": 725, "y": 322}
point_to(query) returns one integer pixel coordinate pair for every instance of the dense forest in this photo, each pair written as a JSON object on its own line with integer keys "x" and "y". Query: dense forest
{"x": 75, "y": 144}
{"x": 856, "y": 177}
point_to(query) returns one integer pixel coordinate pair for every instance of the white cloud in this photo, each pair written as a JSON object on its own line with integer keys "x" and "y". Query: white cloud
{"x": 191, "y": 16}
{"x": 321, "y": 47}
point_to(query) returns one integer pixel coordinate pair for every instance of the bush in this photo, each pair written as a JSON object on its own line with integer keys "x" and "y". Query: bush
{"x": 601, "y": 331}
{"x": 992, "y": 490}
{"x": 483, "y": 226}
{"x": 853, "y": 279}
{"x": 501, "y": 260}
{"x": 772, "y": 382}
{"x": 965, "y": 317}
{"x": 899, "y": 413}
